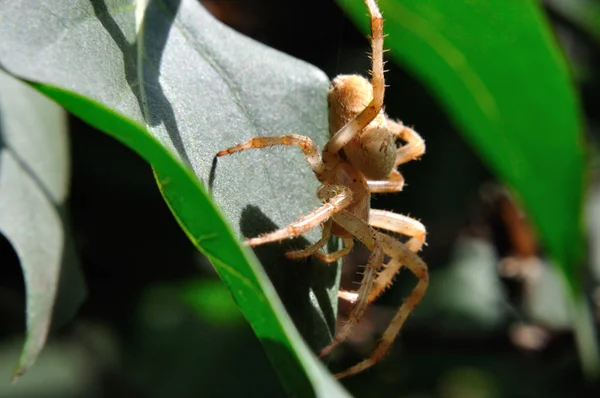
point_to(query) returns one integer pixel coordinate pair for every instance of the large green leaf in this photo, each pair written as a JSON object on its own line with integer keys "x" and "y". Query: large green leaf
{"x": 34, "y": 180}
{"x": 499, "y": 73}
{"x": 497, "y": 70}
{"x": 177, "y": 86}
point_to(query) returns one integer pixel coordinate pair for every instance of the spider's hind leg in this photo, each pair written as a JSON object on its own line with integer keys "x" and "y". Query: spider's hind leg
{"x": 368, "y": 236}
{"x": 401, "y": 254}
{"x": 395, "y": 223}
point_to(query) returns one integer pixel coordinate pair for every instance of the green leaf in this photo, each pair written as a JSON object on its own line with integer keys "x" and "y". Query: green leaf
{"x": 500, "y": 75}
{"x": 497, "y": 70}
{"x": 177, "y": 86}
{"x": 34, "y": 179}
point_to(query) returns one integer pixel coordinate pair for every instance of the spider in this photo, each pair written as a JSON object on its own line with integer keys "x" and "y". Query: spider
{"x": 360, "y": 158}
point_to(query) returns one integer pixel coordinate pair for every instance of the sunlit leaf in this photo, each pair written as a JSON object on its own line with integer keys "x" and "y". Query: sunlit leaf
{"x": 175, "y": 85}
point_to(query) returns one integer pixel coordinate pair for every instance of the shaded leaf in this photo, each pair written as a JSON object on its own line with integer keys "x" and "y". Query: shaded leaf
{"x": 175, "y": 85}
{"x": 34, "y": 178}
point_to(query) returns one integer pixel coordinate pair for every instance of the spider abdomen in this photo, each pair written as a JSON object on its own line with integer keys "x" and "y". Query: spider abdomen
{"x": 373, "y": 152}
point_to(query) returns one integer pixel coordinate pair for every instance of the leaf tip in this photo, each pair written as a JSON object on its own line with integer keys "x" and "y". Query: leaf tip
{"x": 20, "y": 371}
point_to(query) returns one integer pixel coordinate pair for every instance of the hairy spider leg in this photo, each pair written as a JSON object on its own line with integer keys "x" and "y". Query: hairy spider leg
{"x": 311, "y": 152}
{"x": 415, "y": 144}
{"x": 368, "y": 236}
{"x": 338, "y": 197}
{"x": 346, "y": 133}
{"x": 332, "y": 257}
{"x": 414, "y": 148}
{"x": 401, "y": 254}
{"x": 395, "y": 223}
{"x": 342, "y": 198}
{"x": 314, "y": 248}
{"x": 393, "y": 183}
{"x": 401, "y": 224}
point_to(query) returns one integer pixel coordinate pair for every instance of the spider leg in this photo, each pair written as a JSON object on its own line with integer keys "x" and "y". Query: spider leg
{"x": 400, "y": 224}
{"x": 332, "y": 257}
{"x": 312, "y": 249}
{"x": 404, "y": 255}
{"x": 346, "y": 133}
{"x": 403, "y": 225}
{"x": 368, "y": 236}
{"x": 395, "y": 223}
{"x": 340, "y": 198}
{"x": 415, "y": 145}
{"x": 414, "y": 148}
{"x": 307, "y": 145}
{"x": 393, "y": 183}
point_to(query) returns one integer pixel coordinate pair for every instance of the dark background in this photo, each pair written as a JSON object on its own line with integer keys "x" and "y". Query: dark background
{"x": 492, "y": 324}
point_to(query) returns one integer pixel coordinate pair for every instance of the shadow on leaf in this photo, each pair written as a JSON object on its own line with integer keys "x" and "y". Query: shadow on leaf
{"x": 156, "y": 108}
{"x": 303, "y": 286}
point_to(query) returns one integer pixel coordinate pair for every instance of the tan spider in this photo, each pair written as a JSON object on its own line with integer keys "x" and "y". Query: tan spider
{"x": 360, "y": 158}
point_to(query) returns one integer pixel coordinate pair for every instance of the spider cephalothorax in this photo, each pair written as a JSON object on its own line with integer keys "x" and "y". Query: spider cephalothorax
{"x": 360, "y": 158}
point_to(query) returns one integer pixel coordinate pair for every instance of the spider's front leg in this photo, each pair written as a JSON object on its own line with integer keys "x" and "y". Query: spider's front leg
{"x": 356, "y": 124}
{"x": 311, "y": 152}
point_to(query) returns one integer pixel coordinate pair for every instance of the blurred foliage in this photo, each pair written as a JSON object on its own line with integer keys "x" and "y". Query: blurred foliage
{"x": 212, "y": 301}
{"x": 34, "y": 181}
{"x": 583, "y": 14}
{"x": 157, "y": 324}
{"x": 518, "y": 112}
